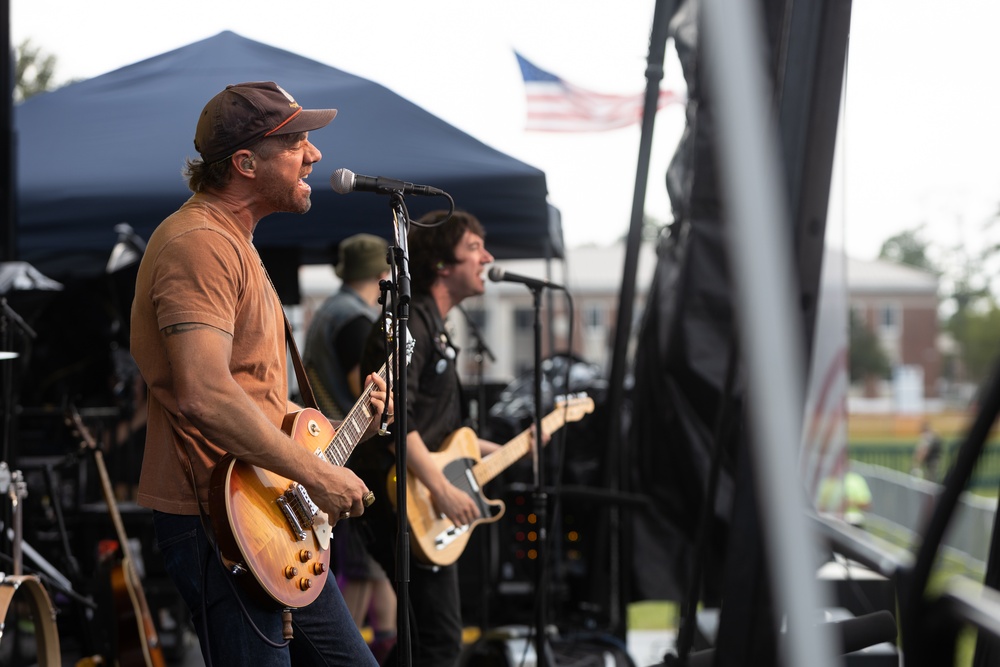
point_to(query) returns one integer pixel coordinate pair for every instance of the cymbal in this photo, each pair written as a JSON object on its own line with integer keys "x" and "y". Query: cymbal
{"x": 8, "y": 355}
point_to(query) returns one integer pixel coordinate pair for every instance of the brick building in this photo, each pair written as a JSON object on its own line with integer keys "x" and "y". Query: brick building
{"x": 900, "y": 305}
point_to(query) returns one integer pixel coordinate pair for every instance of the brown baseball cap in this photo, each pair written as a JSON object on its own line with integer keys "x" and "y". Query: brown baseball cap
{"x": 245, "y": 113}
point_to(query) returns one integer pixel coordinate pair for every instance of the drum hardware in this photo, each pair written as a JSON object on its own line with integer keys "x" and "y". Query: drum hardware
{"x": 42, "y": 612}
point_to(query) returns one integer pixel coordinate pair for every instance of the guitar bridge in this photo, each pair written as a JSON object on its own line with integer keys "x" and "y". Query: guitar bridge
{"x": 299, "y": 510}
{"x": 446, "y": 537}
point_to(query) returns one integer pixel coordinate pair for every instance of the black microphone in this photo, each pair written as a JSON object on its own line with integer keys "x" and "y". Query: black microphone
{"x": 497, "y": 274}
{"x": 345, "y": 181}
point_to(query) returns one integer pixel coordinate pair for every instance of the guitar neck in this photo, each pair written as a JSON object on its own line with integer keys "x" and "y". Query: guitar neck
{"x": 495, "y": 463}
{"x": 128, "y": 562}
{"x": 109, "y": 497}
{"x": 355, "y": 423}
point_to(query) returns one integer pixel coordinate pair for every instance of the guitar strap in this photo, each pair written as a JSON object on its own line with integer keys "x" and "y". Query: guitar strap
{"x": 308, "y": 399}
{"x": 305, "y": 389}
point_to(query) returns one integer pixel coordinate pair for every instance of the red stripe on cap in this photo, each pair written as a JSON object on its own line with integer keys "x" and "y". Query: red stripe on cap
{"x": 284, "y": 122}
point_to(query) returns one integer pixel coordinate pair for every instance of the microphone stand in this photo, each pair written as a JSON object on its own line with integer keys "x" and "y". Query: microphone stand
{"x": 481, "y": 353}
{"x": 7, "y": 315}
{"x": 401, "y": 314}
{"x": 540, "y": 497}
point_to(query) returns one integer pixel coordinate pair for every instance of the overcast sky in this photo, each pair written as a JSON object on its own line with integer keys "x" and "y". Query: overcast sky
{"x": 920, "y": 136}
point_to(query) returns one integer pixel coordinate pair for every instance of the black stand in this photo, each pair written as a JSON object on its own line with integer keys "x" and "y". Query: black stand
{"x": 724, "y": 427}
{"x": 616, "y": 477}
{"x": 7, "y": 358}
{"x": 987, "y": 653}
{"x": 481, "y": 352}
{"x": 8, "y": 315}
{"x": 541, "y": 498}
{"x": 401, "y": 314}
{"x": 396, "y": 339}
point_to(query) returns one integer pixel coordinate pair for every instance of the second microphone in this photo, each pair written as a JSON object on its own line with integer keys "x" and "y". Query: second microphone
{"x": 498, "y": 275}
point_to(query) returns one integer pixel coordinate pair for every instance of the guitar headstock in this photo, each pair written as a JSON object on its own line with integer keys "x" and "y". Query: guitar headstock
{"x": 18, "y": 486}
{"x": 12, "y": 483}
{"x": 575, "y": 406}
{"x": 389, "y": 329}
{"x": 75, "y": 422}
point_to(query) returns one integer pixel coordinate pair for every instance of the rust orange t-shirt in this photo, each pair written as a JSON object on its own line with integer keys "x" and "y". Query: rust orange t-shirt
{"x": 200, "y": 266}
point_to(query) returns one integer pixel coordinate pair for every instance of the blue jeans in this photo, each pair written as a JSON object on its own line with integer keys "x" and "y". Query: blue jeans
{"x": 234, "y": 628}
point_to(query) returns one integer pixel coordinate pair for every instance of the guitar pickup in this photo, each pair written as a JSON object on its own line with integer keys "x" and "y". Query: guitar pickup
{"x": 446, "y": 537}
{"x": 293, "y": 522}
{"x": 471, "y": 478}
{"x": 299, "y": 510}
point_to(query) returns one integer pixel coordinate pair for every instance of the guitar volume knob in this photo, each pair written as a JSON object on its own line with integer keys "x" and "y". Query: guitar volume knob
{"x": 305, "y": 555}
{"x": 318, "y": 568}
{"x": 290, "y": 571}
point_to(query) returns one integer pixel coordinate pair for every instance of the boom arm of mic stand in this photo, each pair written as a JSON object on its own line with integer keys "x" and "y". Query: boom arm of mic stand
{"x": 17, "y": 319}
{"x": 481, "y": 349}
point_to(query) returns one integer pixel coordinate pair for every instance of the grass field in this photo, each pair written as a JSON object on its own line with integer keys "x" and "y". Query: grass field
{"x": 652, "y": 615}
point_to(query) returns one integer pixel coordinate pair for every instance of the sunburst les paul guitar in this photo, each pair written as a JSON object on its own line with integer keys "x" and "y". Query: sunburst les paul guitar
{"x": 435, "y": 539}
{"x": 268, "y": 526}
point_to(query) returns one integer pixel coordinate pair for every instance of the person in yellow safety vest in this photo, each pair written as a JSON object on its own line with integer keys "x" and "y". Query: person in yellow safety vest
{"x": 848, "y": 496}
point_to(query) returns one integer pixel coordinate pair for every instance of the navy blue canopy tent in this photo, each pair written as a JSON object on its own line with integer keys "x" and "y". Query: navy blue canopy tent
{"x": 110, "y": 150}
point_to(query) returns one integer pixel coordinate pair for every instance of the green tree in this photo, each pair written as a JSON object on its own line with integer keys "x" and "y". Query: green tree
{"x": 867, "y": 358}
{"x": 969, "y": 304}
{"x": 978, "y": 332}
{"x": 909, "y": 248}
{"x": 34, "y": 71}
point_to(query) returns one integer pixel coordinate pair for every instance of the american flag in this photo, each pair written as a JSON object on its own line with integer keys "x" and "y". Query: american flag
{"x": 554, "y": 105}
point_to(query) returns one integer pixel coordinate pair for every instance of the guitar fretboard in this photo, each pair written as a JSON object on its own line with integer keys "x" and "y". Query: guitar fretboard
{"x": 495, "y": 463}
{"x": 355, "y": 424}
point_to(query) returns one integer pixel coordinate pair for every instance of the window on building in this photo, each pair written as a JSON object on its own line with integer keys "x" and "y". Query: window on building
{"x": 594, "y": 317}
{"x": 860, "y": 313}
{"x": 524, "y": 318}
{"x": 524, "y": 340}
{"x": 888, "y": 318}
{"x": 478, "y": 317}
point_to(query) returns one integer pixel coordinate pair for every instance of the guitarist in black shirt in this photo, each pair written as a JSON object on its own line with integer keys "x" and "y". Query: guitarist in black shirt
{"x": 447, "y": 265}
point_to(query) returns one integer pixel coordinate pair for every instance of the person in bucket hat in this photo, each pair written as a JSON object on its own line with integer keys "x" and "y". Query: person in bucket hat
{"x": 332, "y": 357}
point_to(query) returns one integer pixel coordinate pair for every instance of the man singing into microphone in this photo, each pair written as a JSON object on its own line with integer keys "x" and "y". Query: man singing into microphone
{"x": 208, "y": 335}
{"x": 447, "y": 261}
